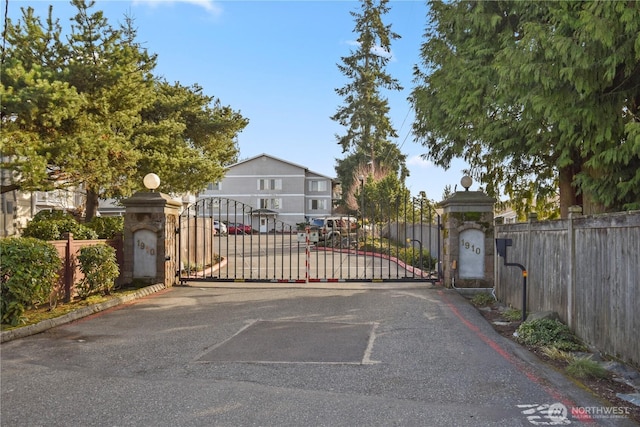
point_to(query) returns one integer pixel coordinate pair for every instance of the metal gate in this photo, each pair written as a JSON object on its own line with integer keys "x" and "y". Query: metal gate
{"x": 220, "y": 239}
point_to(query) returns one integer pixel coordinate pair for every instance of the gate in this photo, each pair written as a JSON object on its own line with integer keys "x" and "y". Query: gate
{"x": 220, "y": 239}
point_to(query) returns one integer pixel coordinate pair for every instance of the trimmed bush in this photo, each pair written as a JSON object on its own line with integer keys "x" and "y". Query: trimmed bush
{"x": 100, "y": 269}
{"x": 107, "y": 227}
{"x": 28, "y": 273}
{"x": 52, "y": 225}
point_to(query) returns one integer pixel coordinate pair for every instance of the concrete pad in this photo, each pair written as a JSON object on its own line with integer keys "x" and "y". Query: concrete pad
{"x": 295, "y": 342}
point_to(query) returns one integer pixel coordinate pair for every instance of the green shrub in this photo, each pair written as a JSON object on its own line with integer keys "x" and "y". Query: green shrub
{"x": 107, "y": 227}
{"x": 483, "y": 299}
{"x": 28, "y": 273}
{"x": 548, "y": 332}
{"x": 100, "y": 269}
{"x": 52, "y": 225}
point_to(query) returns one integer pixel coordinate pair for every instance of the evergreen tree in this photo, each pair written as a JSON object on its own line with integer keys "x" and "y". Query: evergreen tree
{"x": 540, "y": 98}
{"x": 365, "y": 110}
{"x": 89, "y": 114}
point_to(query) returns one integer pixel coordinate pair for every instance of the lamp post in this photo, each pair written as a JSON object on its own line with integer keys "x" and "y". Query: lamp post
{"x": 420, "y": 246}
{"x": 151, "y": 181}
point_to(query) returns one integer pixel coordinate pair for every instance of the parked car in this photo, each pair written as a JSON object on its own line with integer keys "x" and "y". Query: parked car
{"x": 220, "y": 227}
{"x": 238, "y": 228}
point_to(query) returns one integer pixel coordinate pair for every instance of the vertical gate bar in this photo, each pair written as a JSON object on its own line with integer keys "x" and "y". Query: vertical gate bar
{"x": 397, "y": 219}
{"x": 413, "y": 236}
{"x": 195, "y": 246}
{"x": 297, "y": 256}
{"x": 364, "y": 252}
{"x": 212, "y": 203}
{"x": 203, "y": 249}
{"x": 212, "y": 240}
{"x": 250, "y": 246}
{"x": 259, "y": 243}
{"x": 235, "y": 239}
{"x": 275, "y": 249}
{"x": 389, "y": 240}
{"x": 178, "y": 249}
{"x": 290, "y": 253}
{"x": 349, "y": 248}
{"x": 406, "y": 220}
{"x": 439, "y": 250}
{"x": 188, "y": 271}
{"x": 317, "y": 260}
{"x": 217, "y": 218}
{"x": 226, "y": 216}
{"x": 421, "y": 237}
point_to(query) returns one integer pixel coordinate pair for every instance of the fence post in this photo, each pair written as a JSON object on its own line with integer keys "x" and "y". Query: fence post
{"x": 69, "y": 268}
{"x": 574, "y": 211}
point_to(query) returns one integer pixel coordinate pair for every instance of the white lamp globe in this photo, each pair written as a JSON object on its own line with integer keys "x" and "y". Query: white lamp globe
{"x": 466, "y": 182}
{"x": 151, "y": 181}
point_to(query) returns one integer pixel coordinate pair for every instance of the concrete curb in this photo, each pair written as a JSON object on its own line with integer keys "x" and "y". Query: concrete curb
{"x": 77, "y": 314}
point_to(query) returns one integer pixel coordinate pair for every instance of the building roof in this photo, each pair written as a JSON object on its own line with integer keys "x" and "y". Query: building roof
{"x": 250, "y": 159}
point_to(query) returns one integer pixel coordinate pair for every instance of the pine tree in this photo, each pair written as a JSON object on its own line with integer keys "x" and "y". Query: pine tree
{"x": 365, "y": 110}
{"x": 90, "y": 114}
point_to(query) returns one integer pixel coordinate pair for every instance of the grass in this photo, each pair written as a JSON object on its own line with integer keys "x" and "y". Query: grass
{"x": 512, "y": 314}
{"x": 555, "y": 353}
{"x": 585, "y": 367}
{"x": 38, "y": 314}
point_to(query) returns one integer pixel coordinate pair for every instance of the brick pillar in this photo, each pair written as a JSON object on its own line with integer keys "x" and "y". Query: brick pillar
{"x": 467, "y": 221}
{"x": 150, "y": 223}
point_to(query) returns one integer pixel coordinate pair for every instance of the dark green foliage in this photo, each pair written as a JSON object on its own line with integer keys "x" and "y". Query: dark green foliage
{"x": 103, "y": 124}
{"x": 28, "y": 273}
{"x": 107, "y": 227}
{"x": 100, "y": 269}
{"x": 550, "y": 333}
{"x": 542, "y": 99}
{"x": 54, "y": 225}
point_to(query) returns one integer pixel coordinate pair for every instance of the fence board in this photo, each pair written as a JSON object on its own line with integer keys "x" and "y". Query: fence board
{"x": 592, "y": 285}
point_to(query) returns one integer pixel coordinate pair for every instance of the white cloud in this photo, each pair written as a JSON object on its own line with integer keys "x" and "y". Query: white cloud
{"x": 376, "y": 50}
{"x": 418, "y": 161}
{"x": 209, "y": 5}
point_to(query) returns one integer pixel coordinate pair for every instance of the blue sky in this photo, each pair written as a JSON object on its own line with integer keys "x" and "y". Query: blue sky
{"x": 275, "y": 62}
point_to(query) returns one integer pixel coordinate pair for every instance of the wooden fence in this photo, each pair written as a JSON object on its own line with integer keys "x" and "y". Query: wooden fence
{"x": 587, "y": 269}
{"x": 70, "y": 273}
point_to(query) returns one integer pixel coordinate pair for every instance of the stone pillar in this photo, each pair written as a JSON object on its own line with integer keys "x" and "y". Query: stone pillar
{"x": 468, "y": 258}
{"x": 150, "y": 223}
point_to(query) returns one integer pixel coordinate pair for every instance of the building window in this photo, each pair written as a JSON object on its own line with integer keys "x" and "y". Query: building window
{"x": 269, "y": 203}
{"x": 316, "y": 185}
{"x": 213, "y": 186}
{"x": 316, "y": 204}
{"x": 269, "y": 184}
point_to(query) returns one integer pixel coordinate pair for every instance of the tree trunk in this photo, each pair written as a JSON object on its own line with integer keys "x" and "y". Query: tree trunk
{"x": 91, "y": 208}
{"x": 568, "y": 196}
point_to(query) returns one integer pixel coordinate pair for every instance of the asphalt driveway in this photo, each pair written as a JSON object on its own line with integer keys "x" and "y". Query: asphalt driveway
{"x": 372, "y": 355}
